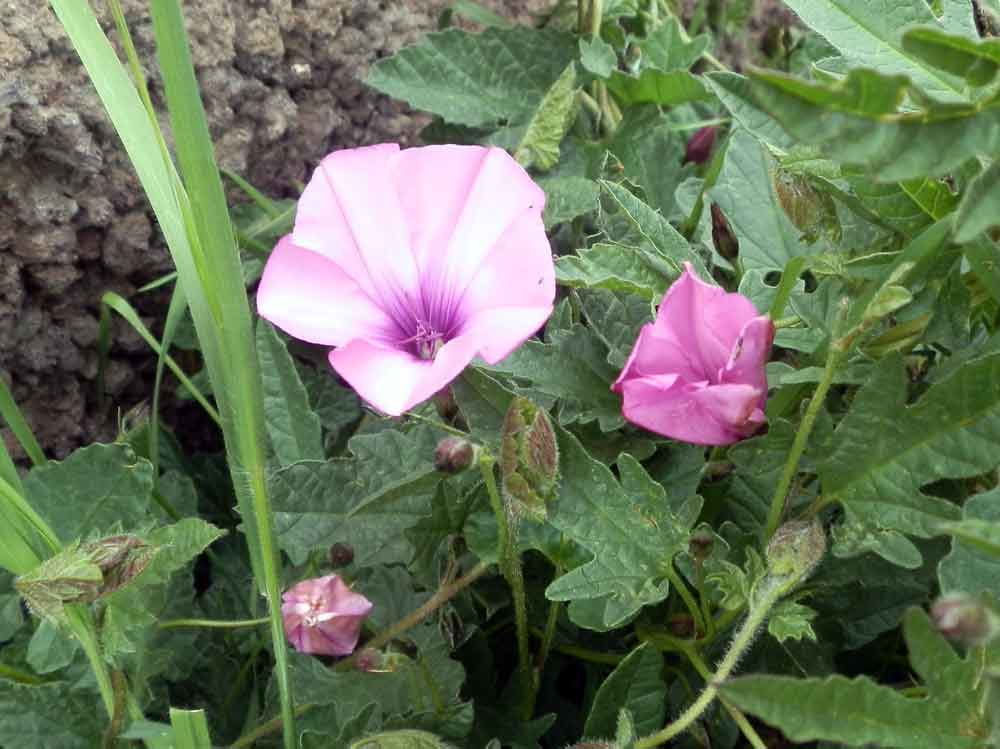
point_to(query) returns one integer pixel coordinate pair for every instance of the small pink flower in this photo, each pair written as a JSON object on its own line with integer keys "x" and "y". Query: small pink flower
{"x": 410, "y": 263}
{"x": 697, "y": 373}
{"x": 323, "y": 616}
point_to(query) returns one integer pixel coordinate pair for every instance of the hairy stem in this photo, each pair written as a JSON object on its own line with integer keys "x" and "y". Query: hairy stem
{"x": 774, "y": 514}
{"x": 685, "y": 594}
{"x": 770, "y": 593}
{"x": 510, "y": 564}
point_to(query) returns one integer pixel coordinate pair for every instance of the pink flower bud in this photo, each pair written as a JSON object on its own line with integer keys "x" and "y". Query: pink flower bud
{"x": 323, "y": 616}
{"x": 454, "y": 455}
{"x": 699, "y": 147}
{"x": 965, "y": 619}
{"x": 697, "y": 374}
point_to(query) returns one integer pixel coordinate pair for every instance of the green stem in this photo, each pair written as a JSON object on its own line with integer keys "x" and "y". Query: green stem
{"x": 737, "y": 715}
{"x": 213, "y": 623}
{"x": 799, "y": 444}
{"x": 444, "y": 594}
{"x": 21, "y": 677}
{"x": 266, "y": 729}
{"x": 685, "y": 594}
{"x": 83, "y": 629}
{"x": 584, "y": 654}
{"x": 596, "y": 15}
{"x": 770, "y": 592}
{"x": 511, "y": 566}
{"x": 439, "y": 425}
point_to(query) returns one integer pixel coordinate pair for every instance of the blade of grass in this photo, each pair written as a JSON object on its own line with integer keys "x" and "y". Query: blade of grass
{"x": 113, "y": 301}
{"x": 157, "y": 283}
{"x": 12, "y": 415}
{"x": 266, "y": 204}
{"x": 175, "y": 313}
{"x": 190, "y": 729}
{"x": 230, "y": 358}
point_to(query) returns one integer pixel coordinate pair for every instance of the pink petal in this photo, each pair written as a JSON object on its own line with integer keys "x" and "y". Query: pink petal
{"x": 341, "y": 634}
{"x": 459, "y": 202}
{"x": 394, "y": 381}
{"x": 690, "y": 413}
{"x": 656, "y": 354}
{"x": 703, "y": 320}
{"x": 311, "y": 298}
{"x": 748, "y": 360}
{"x": 343, "y": 601}
{"x": 350, "y": 212}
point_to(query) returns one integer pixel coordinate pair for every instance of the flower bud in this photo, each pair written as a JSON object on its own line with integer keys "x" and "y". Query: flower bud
{"x": 796, "y": 548}
{"x": 722, "y": 235}
{"x": 529, "y": 458}
{"x": 965, "y": 619}
{"x": 454, "y": 455}
{"x": 699, "y": 146}
{"x": 368, "y": 660}
{"x": 700, "y": 544}
{"x": 340, "y": 555}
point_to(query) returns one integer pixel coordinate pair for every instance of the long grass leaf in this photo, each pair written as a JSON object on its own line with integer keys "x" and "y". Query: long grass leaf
{"x": 12, "y": 415}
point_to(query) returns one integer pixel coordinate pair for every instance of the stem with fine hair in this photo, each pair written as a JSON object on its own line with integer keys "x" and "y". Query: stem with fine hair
{"x": 771, "y": 591}
{"x": 213, "y": 623}
{"x": 510, "y": 564}
{"x": 833, "y": 358}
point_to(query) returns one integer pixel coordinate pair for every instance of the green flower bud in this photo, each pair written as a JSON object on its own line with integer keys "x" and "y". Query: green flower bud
{"x": 529, "y": 459}
{"x": 796, "y": 548}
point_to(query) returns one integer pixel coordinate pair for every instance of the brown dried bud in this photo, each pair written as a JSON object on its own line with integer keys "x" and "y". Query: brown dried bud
{"x": 454, "y": 455}
{"x": 340, "y": 554}
{"x": 965, "y": 619}
{"x": 700, "y": 544}
{"x": 699, "y": 147}
{"x": 722, "y": 235}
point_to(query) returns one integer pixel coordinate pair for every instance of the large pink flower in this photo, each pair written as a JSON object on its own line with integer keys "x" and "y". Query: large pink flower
{"x": 411, "y": 263}
{"x": 323, "y": 616}
{"x": 697, "y": 374}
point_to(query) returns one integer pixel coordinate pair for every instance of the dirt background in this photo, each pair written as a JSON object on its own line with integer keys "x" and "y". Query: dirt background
{"x": 281, "y": 84}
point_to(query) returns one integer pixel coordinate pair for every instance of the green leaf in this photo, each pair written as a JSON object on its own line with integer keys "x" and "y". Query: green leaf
{"x": 367, "y": 499}
{"x": 735, "y": 92}
{"x": 483, "y": 402}
{"x": 51, "y": 715}
{"x": 885, "y": 451}
{"x": 650, "y": 145}
{"x": 977, "y": 61}
{"x": 50, "y": 649}
{"x": 634, "y": 270}
{"x": 477, "y": 79}
{"x": 869, "y": 33}
{"x": 853, "y": 712}
{"x": 654, "y": 86}
{"x": 400, "y": 740}
{"x": 616, "y": 319}
{"x": 968, "y": 567}
{"x": 745, "y": 191}
{"x": 929, "y": 141}
{"x": 976, "y": 533}
{"x": 291, "y": 424}
{"x": 934, "y": 660}
{"x": 791, "y": 621}
{"x": 337, "y": 406}
{"x": 980, "y": 206}
{"x": 649, "y": 224}
{"x": 667, "y": 48}
{"x": 97, "y": 487}
{"x": 628, "y": 526}
{"x": 597, "y": 57}
{"x": 635, "y": 685}
{"x": 539, "y": 147}
{"x": 567, "y": 197}
{"x": 573, "y": 368}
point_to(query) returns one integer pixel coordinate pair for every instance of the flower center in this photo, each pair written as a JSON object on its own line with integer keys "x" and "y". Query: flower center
{"x": 426, "y": 341}
{"x": 311, "y": 618}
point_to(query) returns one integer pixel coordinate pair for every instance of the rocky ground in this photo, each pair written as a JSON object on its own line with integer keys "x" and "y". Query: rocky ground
{"x": 281, "y": 83}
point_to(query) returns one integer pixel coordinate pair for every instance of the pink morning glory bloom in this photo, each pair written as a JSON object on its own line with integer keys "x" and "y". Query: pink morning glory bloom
{"x": 323, "y": 616}
{"x": 410, "y": 263}
{"x": 697, "y": 374}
